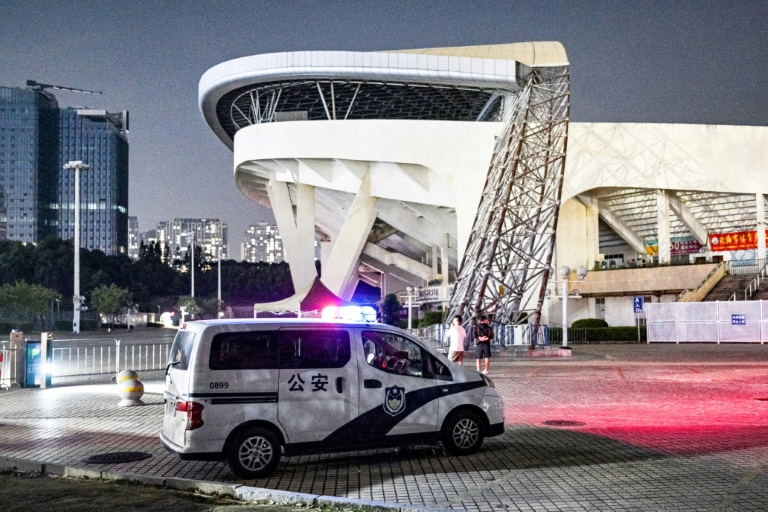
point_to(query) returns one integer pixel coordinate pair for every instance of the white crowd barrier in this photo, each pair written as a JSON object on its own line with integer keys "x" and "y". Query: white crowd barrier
{"x": 712, "y": 322}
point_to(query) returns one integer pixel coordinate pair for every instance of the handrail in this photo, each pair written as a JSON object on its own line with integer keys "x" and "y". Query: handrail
{"x": 749, "y": 291}
{"x": 702, "y": 283}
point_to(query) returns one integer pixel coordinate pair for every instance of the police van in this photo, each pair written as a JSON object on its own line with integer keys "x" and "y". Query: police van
{"x": 253, "y": 390}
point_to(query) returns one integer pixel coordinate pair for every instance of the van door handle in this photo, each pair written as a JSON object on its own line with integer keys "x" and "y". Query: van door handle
{"x": 371, "y": 383}
{"x": 339, "y": 384}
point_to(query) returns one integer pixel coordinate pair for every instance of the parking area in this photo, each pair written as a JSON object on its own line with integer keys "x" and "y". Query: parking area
{"x": 615, "y": 427}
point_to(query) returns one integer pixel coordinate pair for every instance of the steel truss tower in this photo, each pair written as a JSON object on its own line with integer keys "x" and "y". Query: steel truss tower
{"x": 506, "y": 266}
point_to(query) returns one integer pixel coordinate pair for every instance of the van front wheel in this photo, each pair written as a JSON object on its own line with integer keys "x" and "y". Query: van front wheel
{"x": 462, "y": 433}
{"x": 254, "y": 453}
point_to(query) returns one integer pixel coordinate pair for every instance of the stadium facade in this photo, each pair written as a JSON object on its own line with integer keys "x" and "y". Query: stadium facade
{"x": 389, "y": 157}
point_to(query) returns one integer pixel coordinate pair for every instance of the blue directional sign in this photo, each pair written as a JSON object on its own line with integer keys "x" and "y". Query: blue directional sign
{"x": 738, "y": 319}
{"x": 638, "y": 304}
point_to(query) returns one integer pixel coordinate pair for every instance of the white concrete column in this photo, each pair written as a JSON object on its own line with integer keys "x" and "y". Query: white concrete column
{"x": 340, "y": 276}
{"x": 444, "y": 262}
{"x": 435, "y": 271}
{"x": 760, "y": 211}
{"x": 325, "y": 252}
{"x": 593, "y": 232}
{"x": 297, "y": 230}
{"x": 662, "y": 227}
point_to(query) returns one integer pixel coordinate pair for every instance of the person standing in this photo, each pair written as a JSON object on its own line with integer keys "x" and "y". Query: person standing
{"x": 483, "y": 335}
{"x": 457, "y": 335}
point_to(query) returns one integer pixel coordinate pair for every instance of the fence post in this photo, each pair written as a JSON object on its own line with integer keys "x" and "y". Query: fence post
{"x": 117, "y": 357}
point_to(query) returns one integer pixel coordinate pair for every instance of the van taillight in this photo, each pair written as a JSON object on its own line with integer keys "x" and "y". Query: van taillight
{"x": 194, "y": 412}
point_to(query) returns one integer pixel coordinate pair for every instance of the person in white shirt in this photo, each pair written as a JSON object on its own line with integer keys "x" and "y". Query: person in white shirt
{"x": 456, "y": 334}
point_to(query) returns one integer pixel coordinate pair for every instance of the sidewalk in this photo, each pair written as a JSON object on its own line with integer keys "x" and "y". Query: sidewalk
{"x": 615, "y": 427}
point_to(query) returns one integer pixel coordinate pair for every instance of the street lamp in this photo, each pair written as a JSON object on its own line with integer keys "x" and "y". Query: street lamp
{"x": 411, "y": 293}
{"x": 581, "y": 273}
{"x": 218, "y": 288}
{"x": 78, "y": 166}
{"x": 192, "y": 268}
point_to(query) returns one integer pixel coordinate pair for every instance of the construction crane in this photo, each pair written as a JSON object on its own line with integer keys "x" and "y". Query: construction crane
{"x": 41, "y": 86}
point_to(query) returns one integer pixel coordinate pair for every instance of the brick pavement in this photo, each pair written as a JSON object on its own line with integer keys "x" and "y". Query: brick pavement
{"x": 653, "y": 427}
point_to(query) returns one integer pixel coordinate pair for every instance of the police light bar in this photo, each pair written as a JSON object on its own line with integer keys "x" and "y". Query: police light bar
{"x": 349, "y": 313}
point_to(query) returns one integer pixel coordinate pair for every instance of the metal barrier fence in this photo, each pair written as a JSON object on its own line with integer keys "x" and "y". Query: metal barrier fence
{"x": 503, "y": 335}
{"x": 91, "y": 360}
{"x": 714, "y": 322}
{"x": 6, "y": 377}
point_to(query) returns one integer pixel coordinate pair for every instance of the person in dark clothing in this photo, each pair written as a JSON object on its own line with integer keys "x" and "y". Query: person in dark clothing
{"x": 482, "y": 335}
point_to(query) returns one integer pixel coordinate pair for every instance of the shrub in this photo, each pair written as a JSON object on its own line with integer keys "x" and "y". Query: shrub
{"x": 6, "y": 327}
{"x": 589, "y": 323}
{"x": 430, "y": 318}
{"x": 63, "y": 325}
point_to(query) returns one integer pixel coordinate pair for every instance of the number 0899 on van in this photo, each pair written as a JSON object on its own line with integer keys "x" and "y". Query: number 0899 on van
{"x": 250, "y": 391}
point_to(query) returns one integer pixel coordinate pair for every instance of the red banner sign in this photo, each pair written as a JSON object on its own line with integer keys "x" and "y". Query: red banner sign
{"x": 735, "y": 241}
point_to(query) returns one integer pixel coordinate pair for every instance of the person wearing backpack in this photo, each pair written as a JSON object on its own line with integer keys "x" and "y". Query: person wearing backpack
{"x": 483, "y": 334}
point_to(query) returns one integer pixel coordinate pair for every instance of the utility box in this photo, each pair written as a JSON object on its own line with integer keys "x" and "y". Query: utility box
{"x": 32, "y": 364}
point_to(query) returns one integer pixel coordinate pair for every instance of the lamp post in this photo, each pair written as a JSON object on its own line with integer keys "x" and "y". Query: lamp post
{"x": 411, "y": 293}
{"x": 77, "y": 300}
{"x": 581, "y": 272}
{"x": 192, "y": 268}
{"x": 218, "y": 288}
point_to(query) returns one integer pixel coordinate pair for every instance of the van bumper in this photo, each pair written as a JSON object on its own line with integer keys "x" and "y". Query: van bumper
{"x": 178, "y": 451}
{"x": 495, "y": 430}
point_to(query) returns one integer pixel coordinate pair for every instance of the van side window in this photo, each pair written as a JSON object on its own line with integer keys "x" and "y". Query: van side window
{"x": 244, "y": 351}
{"x": 391, "y": 353}
{"x": 181, "y": 350}
{"x": 320, "y": 348}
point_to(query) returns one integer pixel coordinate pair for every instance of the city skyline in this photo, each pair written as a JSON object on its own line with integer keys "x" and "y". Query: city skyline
{"x": 687, "y": 62}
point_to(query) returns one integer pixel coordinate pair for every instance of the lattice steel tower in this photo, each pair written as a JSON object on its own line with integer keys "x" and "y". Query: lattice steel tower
{"x": 506, "y": 266}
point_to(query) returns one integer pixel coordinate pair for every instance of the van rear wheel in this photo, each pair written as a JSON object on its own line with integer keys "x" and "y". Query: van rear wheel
{"x": 254, "y": 453}
{"x": 462, "y": 433}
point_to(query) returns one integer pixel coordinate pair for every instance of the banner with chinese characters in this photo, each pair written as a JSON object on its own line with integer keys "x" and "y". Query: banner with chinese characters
{"x": 678, "y": 245}
{"x": 735, "y": 241}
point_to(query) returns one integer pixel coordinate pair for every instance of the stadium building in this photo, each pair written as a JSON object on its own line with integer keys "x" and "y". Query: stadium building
{"x": 408, "y": 163}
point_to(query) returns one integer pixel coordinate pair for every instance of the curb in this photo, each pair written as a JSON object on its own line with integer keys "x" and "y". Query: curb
{"x": 244, "y": 493}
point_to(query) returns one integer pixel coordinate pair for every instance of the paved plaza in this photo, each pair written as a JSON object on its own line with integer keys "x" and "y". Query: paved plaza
{"x": 615, "y": 427}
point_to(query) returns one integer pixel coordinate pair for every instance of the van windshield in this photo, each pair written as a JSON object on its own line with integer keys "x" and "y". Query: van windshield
{"x": 181, "y": 350}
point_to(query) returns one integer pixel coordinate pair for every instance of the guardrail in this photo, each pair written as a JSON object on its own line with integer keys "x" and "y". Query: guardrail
{"x": 99, "y": 359}
{"x": 754, "y": 284}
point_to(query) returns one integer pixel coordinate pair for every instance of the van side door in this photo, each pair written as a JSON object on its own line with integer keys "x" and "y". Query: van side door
{"x": 317, "y": 391}
{"x": 398, "y": 392}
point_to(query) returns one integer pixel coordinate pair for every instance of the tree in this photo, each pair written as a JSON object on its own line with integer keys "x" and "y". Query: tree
{"x": 110, "y": 300}
{"x": 189, "y": 306}
{"x": 390, "y": 309}
{"x": 23, "y": 299}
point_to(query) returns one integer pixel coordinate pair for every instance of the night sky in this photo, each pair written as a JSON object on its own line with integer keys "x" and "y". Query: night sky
{"x": 699, "y": 62}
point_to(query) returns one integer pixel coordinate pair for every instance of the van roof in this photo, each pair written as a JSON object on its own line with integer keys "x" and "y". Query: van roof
{"x": 288, "y": 321}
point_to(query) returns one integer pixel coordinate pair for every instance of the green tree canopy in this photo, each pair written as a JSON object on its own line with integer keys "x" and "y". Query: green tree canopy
{"x": 189, "y": 306}
{"x": 110, "y": 300}
{"x": 22, "y": 298}
{"x": 390, "y": 309}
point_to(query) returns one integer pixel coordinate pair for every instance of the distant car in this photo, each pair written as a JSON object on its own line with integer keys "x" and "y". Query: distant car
{"x": 169, "y": 319}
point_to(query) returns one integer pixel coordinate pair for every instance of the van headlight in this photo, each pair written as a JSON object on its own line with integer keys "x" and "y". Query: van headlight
{"x": 488, "y": 381}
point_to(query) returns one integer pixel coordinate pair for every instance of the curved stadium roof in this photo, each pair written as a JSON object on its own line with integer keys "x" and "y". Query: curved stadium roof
{"x": 452, "y": 84}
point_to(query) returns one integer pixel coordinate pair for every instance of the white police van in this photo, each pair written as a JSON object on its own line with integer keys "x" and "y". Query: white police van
{"x": 251, "y": 390}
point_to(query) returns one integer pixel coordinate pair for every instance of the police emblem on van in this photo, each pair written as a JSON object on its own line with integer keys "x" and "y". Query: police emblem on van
{"x": 394, "y": 400}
